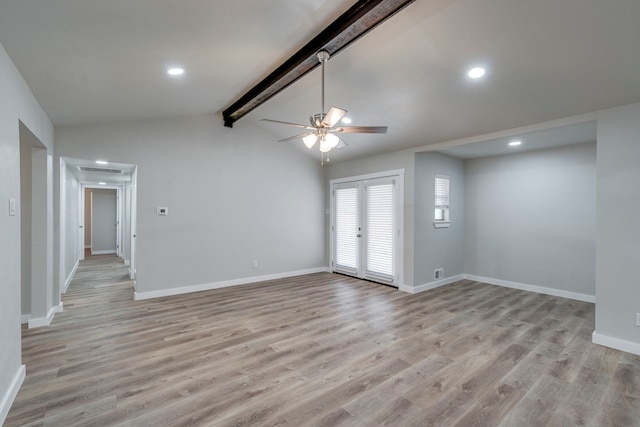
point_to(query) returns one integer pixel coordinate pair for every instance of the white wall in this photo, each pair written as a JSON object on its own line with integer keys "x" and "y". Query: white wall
{"x": 70, "y": 217}
{"x": 531, "y": 218}
{"x": 441, "y": 247}
{"x": 16, "y": 104}
{"x": 385, "y": 162}
{"x": 618, "y": 231}
{"x": 233, "y": 195}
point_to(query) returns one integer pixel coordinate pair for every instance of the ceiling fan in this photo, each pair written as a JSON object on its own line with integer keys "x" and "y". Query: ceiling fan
{"x": 321, "y": 126}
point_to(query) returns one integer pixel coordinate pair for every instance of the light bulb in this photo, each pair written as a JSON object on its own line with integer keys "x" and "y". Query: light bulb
{"x": 332, "y": 140}
{"x": 310, "y": 140}
{"x": 324, "y": 145}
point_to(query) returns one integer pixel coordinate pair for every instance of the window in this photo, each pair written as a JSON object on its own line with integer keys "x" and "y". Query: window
{"x": 441, "y": 212}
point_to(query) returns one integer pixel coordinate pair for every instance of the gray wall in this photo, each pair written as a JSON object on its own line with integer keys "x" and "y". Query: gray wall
{"x": 25, "y": 221}
{"x": 397, "y": 160}
{"x": 71, "y": 221}
{"x": 618, "y": 235}
{"x": 442, "y": 247}
{"x": 234, "y": 196}
{"x": 531, "y": 218}
{"x": 87, "y": 217}
{"x": 16, "y": 104}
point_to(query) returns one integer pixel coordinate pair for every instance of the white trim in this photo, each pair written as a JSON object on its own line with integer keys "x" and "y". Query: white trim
{"x": 25, "y": 318}
{"x": 45, "y": 321}
{"x": 12, "y": 392}
{"x": 617, "y": 343}
{"x": 385, "y": 174}
{"x": 224, "y": 284}
{"x": 431, "y": 285}
{"x": 533, "y": 288}
{"x": 582, "y": 118}
{"x": 70, "y": 278}
{"x": 103, "y": 252}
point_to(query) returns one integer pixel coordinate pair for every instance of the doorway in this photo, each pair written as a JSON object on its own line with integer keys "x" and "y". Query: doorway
{"x": 366, "y": 226}
{"x": 101, "y": 221}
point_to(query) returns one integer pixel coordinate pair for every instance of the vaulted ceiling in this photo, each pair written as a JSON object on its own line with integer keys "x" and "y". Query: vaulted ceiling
{"x": 90, "y": 61}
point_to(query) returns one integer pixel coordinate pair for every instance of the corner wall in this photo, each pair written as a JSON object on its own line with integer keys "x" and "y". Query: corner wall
{"x": 438, "y": 247}
{"x": 618, "y": 230}
{"x": 17, "y": 104}
{"x": 233, "y": 196}
{"x": 531, "y": 219}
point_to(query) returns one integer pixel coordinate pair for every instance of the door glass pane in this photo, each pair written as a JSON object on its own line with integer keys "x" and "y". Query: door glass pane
{"x": 379, "y": 230}
{"x": 347, "y": 227}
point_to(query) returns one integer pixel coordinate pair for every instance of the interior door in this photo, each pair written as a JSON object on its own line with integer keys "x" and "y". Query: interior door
{"x": 364, "y": 229}
{"x": 104, "y": 222}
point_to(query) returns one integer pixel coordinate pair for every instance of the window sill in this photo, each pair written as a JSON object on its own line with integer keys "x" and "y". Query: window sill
{"x": 441, "y": 224}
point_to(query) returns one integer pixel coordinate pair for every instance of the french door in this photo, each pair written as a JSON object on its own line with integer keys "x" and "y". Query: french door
{"x": 365, "y": 228}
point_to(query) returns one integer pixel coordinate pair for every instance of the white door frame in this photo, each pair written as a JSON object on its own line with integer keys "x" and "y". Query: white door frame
{"x": 399, "y": 214}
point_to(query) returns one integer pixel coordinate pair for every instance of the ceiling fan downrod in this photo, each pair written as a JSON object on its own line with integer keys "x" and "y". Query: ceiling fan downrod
{"x": 323, "y": 57}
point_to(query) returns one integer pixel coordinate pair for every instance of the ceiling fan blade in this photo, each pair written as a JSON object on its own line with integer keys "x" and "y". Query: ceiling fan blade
{"x": 342, "y": 143}
{"x": 291, "y": 138}
{"x": 288, "y": 123}
{"x": 362, "y": 129}
{"x": 333, "y": 116}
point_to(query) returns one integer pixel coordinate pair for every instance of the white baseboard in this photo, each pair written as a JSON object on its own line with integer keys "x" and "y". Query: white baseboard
{"x": 70, "y": 277}
{"x": 25, "y": 319}
{"x": 11, "y": 393}
{"x": 533, "y": 288}
{"x": 223, "y": 284}
{"x": 103, "y": 252}
{"x": 431, "y": 285}
{"x": 617, "y": 343}
{"x": 45, "y": 321}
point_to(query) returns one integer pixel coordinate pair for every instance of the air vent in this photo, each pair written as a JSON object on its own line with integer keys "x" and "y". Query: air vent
{"x": 101, "y": 170}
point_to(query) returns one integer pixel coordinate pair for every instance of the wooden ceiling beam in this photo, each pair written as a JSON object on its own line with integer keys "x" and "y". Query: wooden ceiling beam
{"x": 351, "y": 25}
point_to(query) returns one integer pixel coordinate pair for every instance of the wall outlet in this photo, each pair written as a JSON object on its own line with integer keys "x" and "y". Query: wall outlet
{"x": 438, "y": 273}
{"x": 637, "y": 319}
{"x": 255, "y": 263}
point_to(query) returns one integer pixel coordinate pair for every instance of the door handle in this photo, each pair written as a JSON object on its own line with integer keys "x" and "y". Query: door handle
{"x": 359, "y": 235}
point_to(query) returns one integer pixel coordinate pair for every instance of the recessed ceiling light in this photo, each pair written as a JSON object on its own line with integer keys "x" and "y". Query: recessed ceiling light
{"x": 346, "y": 120}
{"x": 102, "y": 183}
{"x": 476, "y": 73}
{"x": 515, "y": 143}
{"x": 175, "y": 71}
{"x": 102, "y": 162}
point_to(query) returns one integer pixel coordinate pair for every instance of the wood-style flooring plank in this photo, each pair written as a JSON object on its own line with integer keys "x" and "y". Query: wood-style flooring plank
{"x": 320, "y": 350}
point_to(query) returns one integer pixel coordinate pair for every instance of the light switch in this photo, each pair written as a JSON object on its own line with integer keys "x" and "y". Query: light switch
{"x": 12, "y": 206}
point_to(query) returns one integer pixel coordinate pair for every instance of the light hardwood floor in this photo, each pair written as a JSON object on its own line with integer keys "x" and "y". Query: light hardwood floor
{"x": 321, "y": 349}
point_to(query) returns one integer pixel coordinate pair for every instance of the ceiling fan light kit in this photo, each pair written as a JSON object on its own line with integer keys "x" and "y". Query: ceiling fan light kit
{"x": 321, "y": 125}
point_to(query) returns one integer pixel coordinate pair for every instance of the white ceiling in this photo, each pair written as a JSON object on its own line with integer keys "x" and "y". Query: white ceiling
{"x": 90, "y": 61}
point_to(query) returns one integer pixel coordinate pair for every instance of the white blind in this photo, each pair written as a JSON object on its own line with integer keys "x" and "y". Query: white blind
{"x": 379, "y": 229}
{"x": 347, "y": 227}
{"x": 442, "y": 191}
